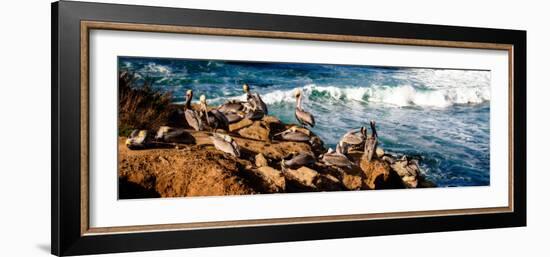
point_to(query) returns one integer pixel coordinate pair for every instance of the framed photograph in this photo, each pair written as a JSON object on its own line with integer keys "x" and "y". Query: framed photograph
{"x": 178, "y": 128}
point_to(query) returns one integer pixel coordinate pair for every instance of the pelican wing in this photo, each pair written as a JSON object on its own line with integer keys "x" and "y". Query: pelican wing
{"x": 178, "y": 136}
{"x": 260, "y": 103}
{"x": 296, "y": 136}
{"x": 353, "y": 137}
{"x": 300, "y": 160}
{"x": 336, "y": 159}
{"x": 222, "y": 121}
{"x": 236, "y": 148}
{"x": 231, "y": 107}
{"x": 305, "y": 118}
{"x": 255, "y": 115}
{"x": 370, "y": 148}
{"x": 224, "y": 146}
{"x": 233, "y": 117}
{"x": 193, "y": 120}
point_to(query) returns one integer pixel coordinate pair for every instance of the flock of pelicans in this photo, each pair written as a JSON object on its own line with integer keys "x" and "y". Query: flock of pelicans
{"x": 254, "y": 108}
{"x": 234, "y": 111}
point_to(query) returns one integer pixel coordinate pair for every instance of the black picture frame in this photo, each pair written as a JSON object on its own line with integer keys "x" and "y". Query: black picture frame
{"x": 66, "y": 235}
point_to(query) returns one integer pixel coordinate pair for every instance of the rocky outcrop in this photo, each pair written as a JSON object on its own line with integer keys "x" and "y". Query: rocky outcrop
{"x": 195, "y": 171}
{"x": 170, "y": 166}
{"x": 408, "y": 171}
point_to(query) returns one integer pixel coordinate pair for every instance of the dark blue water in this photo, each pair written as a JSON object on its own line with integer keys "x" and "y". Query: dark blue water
{"x": 439, "y": 115}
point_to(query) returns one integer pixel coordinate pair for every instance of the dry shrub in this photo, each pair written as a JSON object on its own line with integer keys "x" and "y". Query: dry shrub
{"x": 142, "y": 107}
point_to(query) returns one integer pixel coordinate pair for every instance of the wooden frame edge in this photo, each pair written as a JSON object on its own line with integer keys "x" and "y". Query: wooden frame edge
{"x": 86, "y": 26}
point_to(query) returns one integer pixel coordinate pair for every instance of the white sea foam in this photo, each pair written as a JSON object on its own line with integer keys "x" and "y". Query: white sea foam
{"x": 404, "y": 95}
{"x": 153, "y": 68}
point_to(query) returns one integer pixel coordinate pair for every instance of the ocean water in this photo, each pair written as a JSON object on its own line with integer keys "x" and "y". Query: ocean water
{"x": 438, "y": 115}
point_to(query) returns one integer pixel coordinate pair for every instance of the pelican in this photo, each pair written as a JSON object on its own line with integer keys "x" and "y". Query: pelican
{"x": 138, "y": 139}
{"x": 371, "y": 143}
{"x": 234, "y": 110}
{"x": 214, "y": 118}
{"x": 231, "y": 106}
{"x": 353, "y": 139}
{"x": 233, "y": 117}
{"x": 292, "y": 134}
{"x": 254, "y": 114}
{"x": 255, "y": 100}
{"x": 226, "y": 144}
{"x": 173, "y": 135}
{"x": 298, "y": 161}
{"x": 337, "y": 159}
{"x": 191, "y": 116}
{"x": 305, "y": 118}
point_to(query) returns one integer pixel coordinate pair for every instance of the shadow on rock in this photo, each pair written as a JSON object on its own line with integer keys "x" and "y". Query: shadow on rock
{"x": 131, "y": 190}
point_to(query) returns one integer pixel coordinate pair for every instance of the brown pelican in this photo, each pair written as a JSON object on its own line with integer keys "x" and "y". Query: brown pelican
{"x": 233, "y": 117}
{"x": 302, "y": 159}
{"x": 337, "y": 159}
{"x": 255, "y": 100}
{"x": 254, "y": 114}
{"x": 191, "y": 116}
{"x": 305, "y": 118}
{"x": 353, "y": 139}
{"x": 234, "y": 110}
{"x": 226, "y": 144}
{"x": 138, "y": 139}
{"x": 371, "y": 143}
{"x": 173, "y": 135}
{"x": 214, "y": 118}
{"x": 292, "y": 134}
{"x": 231, "y": 106}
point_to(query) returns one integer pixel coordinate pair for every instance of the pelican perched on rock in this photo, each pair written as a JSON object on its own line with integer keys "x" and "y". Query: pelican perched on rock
{"x": 255, "y": 100}
{"x": 353, "y": 139}
{"x": 234, "y": 110}
{"x": 254, "y": 114}
{"x": 292, "y": 134}
{"x": 232, "y": 106}
{"x": 214, "y": 118}
{"x": 305, "y": 118}
{"x": 173, "y": 135}
{"x": 191, "y": 116}
{"x": 371, "y": 143}
{"x": 226, "y": 144}
{"x": 138, "y": 139}
{"x": 337, "y": 159}
{"x": 302, "y": 159}
{"x": 233, "y": 117}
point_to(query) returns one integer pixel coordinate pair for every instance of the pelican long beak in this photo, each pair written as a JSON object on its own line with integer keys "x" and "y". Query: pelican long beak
{"x": 205, "y": 111}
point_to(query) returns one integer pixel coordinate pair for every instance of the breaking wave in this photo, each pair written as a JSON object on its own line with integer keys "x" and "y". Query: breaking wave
{"x": 400, "y": 96}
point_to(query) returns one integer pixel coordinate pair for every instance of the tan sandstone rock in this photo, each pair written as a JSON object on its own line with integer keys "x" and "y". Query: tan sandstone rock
{"x": 303, "y": 176}
{"x": 273, "y": 180}
{"x": 376, "y": 174}
{"x": 260, "y": 160}
{"x": 239, "y": 125}
{"x": 257, "y": 131}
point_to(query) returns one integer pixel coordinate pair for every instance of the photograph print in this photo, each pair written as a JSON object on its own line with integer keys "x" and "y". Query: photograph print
{"x": 191, "y": 127}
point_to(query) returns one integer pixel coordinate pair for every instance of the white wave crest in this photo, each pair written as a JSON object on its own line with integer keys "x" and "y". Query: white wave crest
{"x": 408, "y": 96}
{"x": 156, "y": 69}
{"x": 400, "y": 96}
